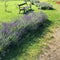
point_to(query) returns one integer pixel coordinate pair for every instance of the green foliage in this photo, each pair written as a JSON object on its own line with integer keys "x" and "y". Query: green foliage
{"x": 46, "y": 6}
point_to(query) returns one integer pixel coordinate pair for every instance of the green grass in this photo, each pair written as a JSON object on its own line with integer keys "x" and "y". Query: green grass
{"x": 12, "y": 11}
{"x": 32, "y": 44}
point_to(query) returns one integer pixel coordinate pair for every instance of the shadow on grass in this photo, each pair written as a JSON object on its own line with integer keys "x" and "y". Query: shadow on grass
{"x": 29, "y": 11}
{"x": 8, "y": 11}
{"x": 45, "y": 8}
{"x": 20, "y": 47}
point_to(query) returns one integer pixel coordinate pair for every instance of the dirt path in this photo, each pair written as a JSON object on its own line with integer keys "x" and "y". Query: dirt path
{"x": 53, "y": 52}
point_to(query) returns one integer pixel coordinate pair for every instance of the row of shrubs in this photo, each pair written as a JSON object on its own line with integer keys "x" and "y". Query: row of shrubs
{"x": 15, "y": 31}
{"x": 47, "y": 6}
{"x": 44, "y": 5}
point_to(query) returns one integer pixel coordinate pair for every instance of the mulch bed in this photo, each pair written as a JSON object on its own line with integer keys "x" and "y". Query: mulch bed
{"x": 58, "y": 2}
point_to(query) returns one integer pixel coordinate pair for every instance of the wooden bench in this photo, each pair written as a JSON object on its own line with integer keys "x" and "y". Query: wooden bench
{"x": 19, "y": 5}
{"x": 25, "y": 8}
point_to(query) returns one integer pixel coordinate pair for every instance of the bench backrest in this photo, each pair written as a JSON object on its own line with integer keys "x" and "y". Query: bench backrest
{"x": 22, "y": 4}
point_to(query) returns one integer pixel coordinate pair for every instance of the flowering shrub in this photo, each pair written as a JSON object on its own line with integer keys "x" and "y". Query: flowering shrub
{"x": 45, "y": 6}
{"x": 14, "y": 31}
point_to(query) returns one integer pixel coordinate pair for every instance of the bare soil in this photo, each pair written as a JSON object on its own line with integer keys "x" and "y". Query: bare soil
{"x": 58, "y": 2}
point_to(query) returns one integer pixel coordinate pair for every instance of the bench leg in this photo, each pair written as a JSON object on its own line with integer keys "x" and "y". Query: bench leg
{"x": 19, "y": 11}
{"x": 24, "y": 11}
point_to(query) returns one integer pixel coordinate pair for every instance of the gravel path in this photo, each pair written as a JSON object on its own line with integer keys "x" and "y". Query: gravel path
{"x": 53, "y": 53}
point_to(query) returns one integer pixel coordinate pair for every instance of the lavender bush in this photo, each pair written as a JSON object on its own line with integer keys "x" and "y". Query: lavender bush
{"x": 45, "y": 6}
{"x": 14, "y": 31}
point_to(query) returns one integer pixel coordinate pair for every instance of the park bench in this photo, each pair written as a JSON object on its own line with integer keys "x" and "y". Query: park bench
{"x": 25, "y": 8}
{"x": 19, "y": 5}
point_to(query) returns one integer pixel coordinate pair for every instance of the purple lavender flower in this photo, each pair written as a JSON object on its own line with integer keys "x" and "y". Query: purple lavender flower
{"x": 17, "y": 29}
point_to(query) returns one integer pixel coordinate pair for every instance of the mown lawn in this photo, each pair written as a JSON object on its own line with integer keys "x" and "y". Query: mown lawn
{"x": 12, "y": 11}
{"x": 33, "y": 43}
